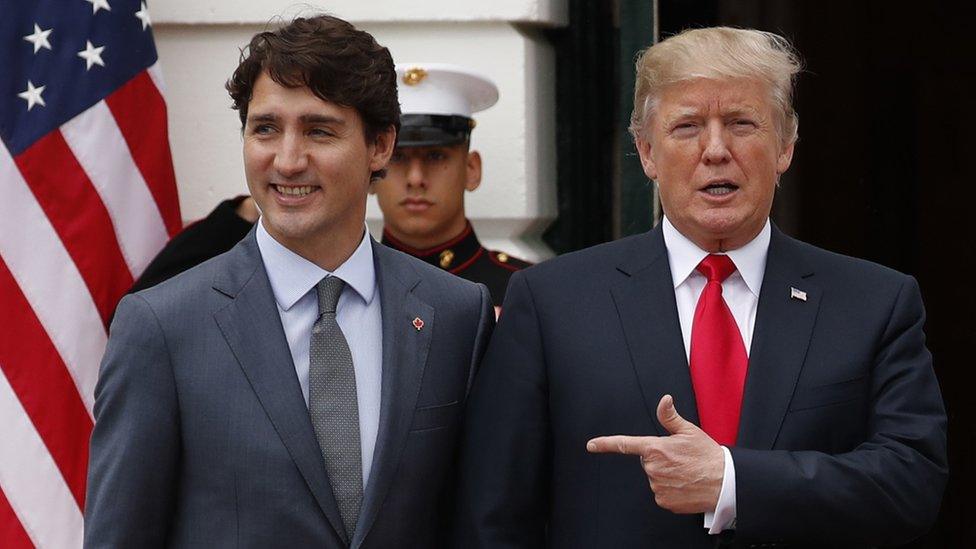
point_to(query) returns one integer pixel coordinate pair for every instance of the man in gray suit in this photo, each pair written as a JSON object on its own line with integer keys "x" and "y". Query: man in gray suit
{"x": 303, "y": 389}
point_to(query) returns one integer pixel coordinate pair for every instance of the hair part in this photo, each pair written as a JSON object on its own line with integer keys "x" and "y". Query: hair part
{"x": 336, "y": 61}
{"x": 718, "y": 53}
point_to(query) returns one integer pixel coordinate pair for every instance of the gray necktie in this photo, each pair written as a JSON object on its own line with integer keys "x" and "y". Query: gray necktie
{"x": 332, "y": 404}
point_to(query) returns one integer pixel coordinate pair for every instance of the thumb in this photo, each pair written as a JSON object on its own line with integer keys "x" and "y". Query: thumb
{"x": 670, "y": 418}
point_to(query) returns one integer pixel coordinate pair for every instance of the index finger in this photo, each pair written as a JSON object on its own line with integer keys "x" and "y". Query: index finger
{"x": 619, "y": 444}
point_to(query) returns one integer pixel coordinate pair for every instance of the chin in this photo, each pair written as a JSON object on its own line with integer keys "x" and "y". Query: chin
{"x": 737, "y": 233}
{"x": 290, "y": 227}
{"x": 719, "y": 226}
{"x": 729, "y": 215}
{"x": 415, "y": 226}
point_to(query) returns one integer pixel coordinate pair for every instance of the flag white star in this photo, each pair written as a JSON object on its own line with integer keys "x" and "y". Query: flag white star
{"x": 99, "y": 5}
{"x": 143, "y": 15}
{"x": 39, "y": 38}
{"x": 32, "y": 95}
{"x": 91, "y": 55}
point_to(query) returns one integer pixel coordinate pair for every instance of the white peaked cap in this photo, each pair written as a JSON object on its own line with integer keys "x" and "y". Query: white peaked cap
{"x": 443, "y": 89}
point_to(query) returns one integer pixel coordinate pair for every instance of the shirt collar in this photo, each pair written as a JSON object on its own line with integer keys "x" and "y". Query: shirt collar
{"x": 292, "y": 276}
{"x": 684, "y": 255}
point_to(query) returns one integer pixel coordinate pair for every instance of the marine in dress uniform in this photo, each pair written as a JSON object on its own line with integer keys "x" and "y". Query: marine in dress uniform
{"x": 422, "y": 195}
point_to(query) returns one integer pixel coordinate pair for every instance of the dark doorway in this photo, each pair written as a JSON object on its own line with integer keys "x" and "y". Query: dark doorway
{"x": 887, "y": 121}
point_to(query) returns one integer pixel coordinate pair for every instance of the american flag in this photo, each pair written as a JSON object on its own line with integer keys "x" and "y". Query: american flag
{"x": 87, "y": 198}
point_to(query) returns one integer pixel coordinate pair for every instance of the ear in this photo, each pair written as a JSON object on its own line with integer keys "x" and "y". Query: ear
{"x": 785, "y": 159}
{"x": 646, "y": 157}
{"x": 382, "y": 149}
{"x": 473, "y": 171}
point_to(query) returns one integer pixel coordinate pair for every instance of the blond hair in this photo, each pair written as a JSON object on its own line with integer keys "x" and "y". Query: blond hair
{"x": 718, "y": 53}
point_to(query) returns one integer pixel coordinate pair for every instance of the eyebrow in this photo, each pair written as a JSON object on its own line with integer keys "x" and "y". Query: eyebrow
{"x": 688, "y": 112}
{"x": 741, "y": 111}
{"x": 254, "y": 118}
{"x": 304, "y": 119}
{"x": 684, "y": 112}
{"x": 321, "y": 119}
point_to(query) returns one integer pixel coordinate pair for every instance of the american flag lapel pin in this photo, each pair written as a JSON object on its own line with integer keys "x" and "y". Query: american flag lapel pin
{"x": 418, "y": 323}
{"x": 797, "y": 294}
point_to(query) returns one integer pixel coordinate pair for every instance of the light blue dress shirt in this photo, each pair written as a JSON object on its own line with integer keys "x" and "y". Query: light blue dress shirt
{"x": 293, "y": 279}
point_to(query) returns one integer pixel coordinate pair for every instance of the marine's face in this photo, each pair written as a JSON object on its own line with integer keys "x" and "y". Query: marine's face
{"x": 307, "y": 163}
{"x": 714, "y": 150}
{"x": 422, "y": 196}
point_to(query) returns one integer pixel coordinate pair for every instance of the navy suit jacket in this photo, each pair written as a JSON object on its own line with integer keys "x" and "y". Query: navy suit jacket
{"x": 842, "y": 431}
{"x": 202, "y": 437}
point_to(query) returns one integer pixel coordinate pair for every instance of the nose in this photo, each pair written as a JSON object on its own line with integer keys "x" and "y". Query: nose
{"x": 716, "y": 149}
{"x": 415, "y": 173}
{"x": 291, "y": 159}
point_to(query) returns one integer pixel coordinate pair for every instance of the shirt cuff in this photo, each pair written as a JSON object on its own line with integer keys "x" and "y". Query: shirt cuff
{"x": 723, "y": 518}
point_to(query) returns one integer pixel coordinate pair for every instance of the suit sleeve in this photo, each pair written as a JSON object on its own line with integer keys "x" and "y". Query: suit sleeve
{"x": 486, "y": 324}
{"x": 503, "y": 494}
{"x": 885, "y": 491}
{"x": 135, "y": 444}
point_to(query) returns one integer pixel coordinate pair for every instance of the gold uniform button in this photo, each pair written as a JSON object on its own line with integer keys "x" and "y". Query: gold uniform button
{"x": 446, "y": 257}
{"x": 503, "y": 257}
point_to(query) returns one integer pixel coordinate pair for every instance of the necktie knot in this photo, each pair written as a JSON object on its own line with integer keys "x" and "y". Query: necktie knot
{"x": 716, "y": 268}
{"x": 329, "y": 289}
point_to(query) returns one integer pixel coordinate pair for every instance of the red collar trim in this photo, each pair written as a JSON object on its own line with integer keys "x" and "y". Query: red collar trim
{"x": 429, "y": 251}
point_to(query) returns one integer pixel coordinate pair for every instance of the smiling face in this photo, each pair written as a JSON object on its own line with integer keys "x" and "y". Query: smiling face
{"x": 307, "y": 164}
{"x": 713, "y": 148}
{"x": 422, "y": 196}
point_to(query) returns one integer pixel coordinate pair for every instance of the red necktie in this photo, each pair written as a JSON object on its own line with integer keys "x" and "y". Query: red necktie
{"x": 718, "y": 357}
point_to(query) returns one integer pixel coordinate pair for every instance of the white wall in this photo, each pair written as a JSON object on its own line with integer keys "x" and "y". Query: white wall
{"x": 198, "y": 45}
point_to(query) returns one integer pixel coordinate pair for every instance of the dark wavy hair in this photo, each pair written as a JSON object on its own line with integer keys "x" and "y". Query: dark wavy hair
{"x": 333, "y": 59}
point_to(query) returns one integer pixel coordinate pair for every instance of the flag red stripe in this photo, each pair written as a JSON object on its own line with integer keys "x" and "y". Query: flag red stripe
{"x": 78, "y": 215}
{"x": 12, "y": 534}
{"x": 140, "y": 111}
{"x": 40, "y": 379}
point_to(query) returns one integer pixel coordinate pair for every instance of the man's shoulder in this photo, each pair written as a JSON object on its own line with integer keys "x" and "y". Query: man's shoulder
{"x": 855, "y": 287}
{"x": 595, "y": 261}
{"x": 841, "y": 268}
{"x": 188, "y": 291}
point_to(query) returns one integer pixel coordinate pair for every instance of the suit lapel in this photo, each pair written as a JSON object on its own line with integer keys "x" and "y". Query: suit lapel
{"x": 649, "y": 317}
{"x": 252, "y": 327}
{"x": 779, "y": 344}
{"x": 405, "y": 351}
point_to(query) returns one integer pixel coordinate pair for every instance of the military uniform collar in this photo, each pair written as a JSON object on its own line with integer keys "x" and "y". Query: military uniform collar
{"x": 454, "y": 255}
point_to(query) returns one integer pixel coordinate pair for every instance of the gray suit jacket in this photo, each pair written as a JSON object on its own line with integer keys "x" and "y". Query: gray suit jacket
{"x": 202, "y": 437}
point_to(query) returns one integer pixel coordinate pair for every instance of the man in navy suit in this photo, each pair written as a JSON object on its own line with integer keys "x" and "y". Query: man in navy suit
{"x": 305, "y": 388}
{"x": 712, "y": 382}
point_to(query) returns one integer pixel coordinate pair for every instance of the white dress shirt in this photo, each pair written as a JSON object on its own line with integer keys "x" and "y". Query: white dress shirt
{"x": 741, "y": 292}
{"x": 293, "y": 279}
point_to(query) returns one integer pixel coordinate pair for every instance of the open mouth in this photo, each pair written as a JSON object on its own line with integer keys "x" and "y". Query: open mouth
{"x": 720, "y": 188}
{"x": 294, "y": 190}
